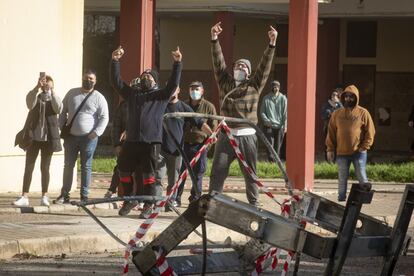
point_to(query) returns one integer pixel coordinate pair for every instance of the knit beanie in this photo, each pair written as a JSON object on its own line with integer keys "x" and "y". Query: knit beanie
{"x": 153, "y": 73}
{"x": 245, "y": 61}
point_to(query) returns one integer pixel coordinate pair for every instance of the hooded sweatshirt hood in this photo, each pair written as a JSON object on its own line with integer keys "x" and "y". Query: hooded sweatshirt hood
{"x": 350, "y": 89}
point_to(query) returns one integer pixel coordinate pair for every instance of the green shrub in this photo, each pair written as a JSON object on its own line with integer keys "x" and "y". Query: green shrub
{"x": 391, "y": 172}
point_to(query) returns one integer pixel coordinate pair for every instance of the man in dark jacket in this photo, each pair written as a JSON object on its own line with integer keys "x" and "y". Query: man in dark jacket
{"x": 194, "y": 138}
{"x": 239, "y": 97}
{"x": 146, "y": 107}
{"x": 170, "y": 158}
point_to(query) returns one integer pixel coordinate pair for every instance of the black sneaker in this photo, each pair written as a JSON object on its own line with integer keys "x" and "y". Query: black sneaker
{"x": 146, "y": 211}
{"x": 84, "y": 199}
{"x": 62, "y": 200}
{"x": 127, "y": 206}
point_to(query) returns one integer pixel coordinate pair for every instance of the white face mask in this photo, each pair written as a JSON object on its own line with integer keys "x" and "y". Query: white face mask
{"x": 195, "y": 94}
{"x": 239, "y": 75}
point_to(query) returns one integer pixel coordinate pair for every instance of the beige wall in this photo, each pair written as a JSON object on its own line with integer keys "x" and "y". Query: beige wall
{"x": 193, "y": 37}
{"x": 395, "y": 41}
{"x": 394, "y": 82}
{"x": 41, "y": 35}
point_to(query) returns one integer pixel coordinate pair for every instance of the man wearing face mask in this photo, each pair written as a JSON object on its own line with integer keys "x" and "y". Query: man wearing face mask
{"x": 351, "y": 133}
{"x": 194, "y": 137}
{"x": 170, "y": 159}
{"x": 88, "y": 124}
{"x": 239, "y": 97}
{"x": 274, "y": 115}
{"x": 146, "y": 107}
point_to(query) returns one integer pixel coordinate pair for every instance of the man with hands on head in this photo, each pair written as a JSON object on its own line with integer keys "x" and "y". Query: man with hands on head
{"x": 146, "y": 107}
{"x": 239, "y": 98}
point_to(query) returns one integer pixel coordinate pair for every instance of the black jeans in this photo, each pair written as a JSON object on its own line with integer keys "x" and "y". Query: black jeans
{"x": 275, "y": 138}
{"x": 31, "y": 156}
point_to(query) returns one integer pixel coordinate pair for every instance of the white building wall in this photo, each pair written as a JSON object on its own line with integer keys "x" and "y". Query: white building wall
{"x": 41, "y": 35}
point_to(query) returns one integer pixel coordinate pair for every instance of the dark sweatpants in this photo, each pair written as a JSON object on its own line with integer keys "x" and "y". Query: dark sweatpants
{"x": 135, "y": 155}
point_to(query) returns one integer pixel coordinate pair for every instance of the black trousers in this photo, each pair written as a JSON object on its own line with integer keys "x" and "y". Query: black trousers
{"x": 138, "y": 155}
{"x": 31, "y": 156}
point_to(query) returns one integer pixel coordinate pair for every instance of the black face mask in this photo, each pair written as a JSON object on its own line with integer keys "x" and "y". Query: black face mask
{"x": 87, "y": 84}
{"x": 146, "y": 84}
{"x": 349, "y": 104}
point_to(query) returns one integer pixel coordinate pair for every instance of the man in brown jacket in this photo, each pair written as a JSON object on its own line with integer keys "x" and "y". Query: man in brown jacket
{"x": 239, "y": 97}
{"x": 351, "y": 133}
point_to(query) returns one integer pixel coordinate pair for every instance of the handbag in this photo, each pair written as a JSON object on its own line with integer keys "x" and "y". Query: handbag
{"x": 65, "y": 131}
{"x": 24, "y": 137}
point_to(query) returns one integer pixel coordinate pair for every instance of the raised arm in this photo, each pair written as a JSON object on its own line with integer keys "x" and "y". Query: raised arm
{"x": 31, "y": 98}
{"x": 219, "y": 64}
{"x": 115, "y": 74}
{"x": 175, "y": 77}
{"x": 260, "y": 75}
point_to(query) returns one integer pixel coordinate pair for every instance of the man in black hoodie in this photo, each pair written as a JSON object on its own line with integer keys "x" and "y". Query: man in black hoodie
{"x": 146, "y": 107}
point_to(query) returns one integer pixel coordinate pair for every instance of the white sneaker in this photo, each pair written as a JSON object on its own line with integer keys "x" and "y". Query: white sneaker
{"x": 21, "y": 201}
{"x": 44, "y": 201}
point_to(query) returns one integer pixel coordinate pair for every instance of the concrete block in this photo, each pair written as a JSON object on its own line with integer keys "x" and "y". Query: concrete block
{"x": 12, "y": 210}
{"x": 41, "y": 209}
{"x": 56, "y": 208}
{"x": 8, "y": 249}
{"x": 103, "y": 206}
{"x": 44, "y": 246}
{"x": 93, "y": 243}
{"x": 26, "y": 210}
{"x": 71, "y": 208}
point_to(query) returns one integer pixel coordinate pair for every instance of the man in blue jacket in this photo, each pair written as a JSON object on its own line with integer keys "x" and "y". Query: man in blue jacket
{"x": 146, "y": 107}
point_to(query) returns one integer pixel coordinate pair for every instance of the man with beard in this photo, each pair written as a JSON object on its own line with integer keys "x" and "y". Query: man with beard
{"x": 146, "y": 107}
{"x": 351, "y": 133}
{"x": 88, "y": 123}
{"x": 239, "y": 97}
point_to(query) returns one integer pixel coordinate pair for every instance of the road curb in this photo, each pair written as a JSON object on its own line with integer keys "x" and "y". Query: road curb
{"x": 102, "y": 242}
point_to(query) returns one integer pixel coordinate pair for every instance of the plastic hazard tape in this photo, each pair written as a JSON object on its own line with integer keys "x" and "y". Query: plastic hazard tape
{"x": 249, "y": 170}
{"x": 146, "y": 225}
{"x": 162, "y": 264}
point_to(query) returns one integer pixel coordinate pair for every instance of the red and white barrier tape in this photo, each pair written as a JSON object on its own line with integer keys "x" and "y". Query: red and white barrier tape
{"x": 271, "y": 253}
{"x": 146, "y": 225}
{"x": 162, "y": 264}
{"x": 249, "y": 170}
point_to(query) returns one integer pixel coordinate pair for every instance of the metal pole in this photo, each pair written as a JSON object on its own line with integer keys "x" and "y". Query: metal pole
{"x": 360, "y": 194}
{"x": 399, "y": 231}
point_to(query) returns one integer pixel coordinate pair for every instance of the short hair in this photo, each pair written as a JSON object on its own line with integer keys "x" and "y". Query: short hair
{"x": 275, "y": 83}
{"x": 89, "y": 71}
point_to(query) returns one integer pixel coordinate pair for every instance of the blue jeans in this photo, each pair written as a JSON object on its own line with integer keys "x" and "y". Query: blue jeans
{"x": 86, "y": 147}
{"x": 359, "y": 161}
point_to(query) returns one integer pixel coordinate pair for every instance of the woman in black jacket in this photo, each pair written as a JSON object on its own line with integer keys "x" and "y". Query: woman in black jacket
{"x": 42, "y": 124}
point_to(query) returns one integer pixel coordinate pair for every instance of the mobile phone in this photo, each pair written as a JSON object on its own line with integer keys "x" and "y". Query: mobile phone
{"x": 42, "y": 74}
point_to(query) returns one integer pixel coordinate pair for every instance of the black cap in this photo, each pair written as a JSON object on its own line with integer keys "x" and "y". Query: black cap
{"x": 153, "y": 73}
{"x": 196, "y": 83}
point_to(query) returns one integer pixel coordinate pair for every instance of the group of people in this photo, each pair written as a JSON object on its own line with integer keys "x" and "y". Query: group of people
{"x": 146, "y": 153}
{"x": 85, "y": 111}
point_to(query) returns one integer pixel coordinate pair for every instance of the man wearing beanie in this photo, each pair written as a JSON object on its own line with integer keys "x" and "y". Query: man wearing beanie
{"x": 146, "y": 107}
{"x": 239, "y": 97}
{"x": 351, "y": 133}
